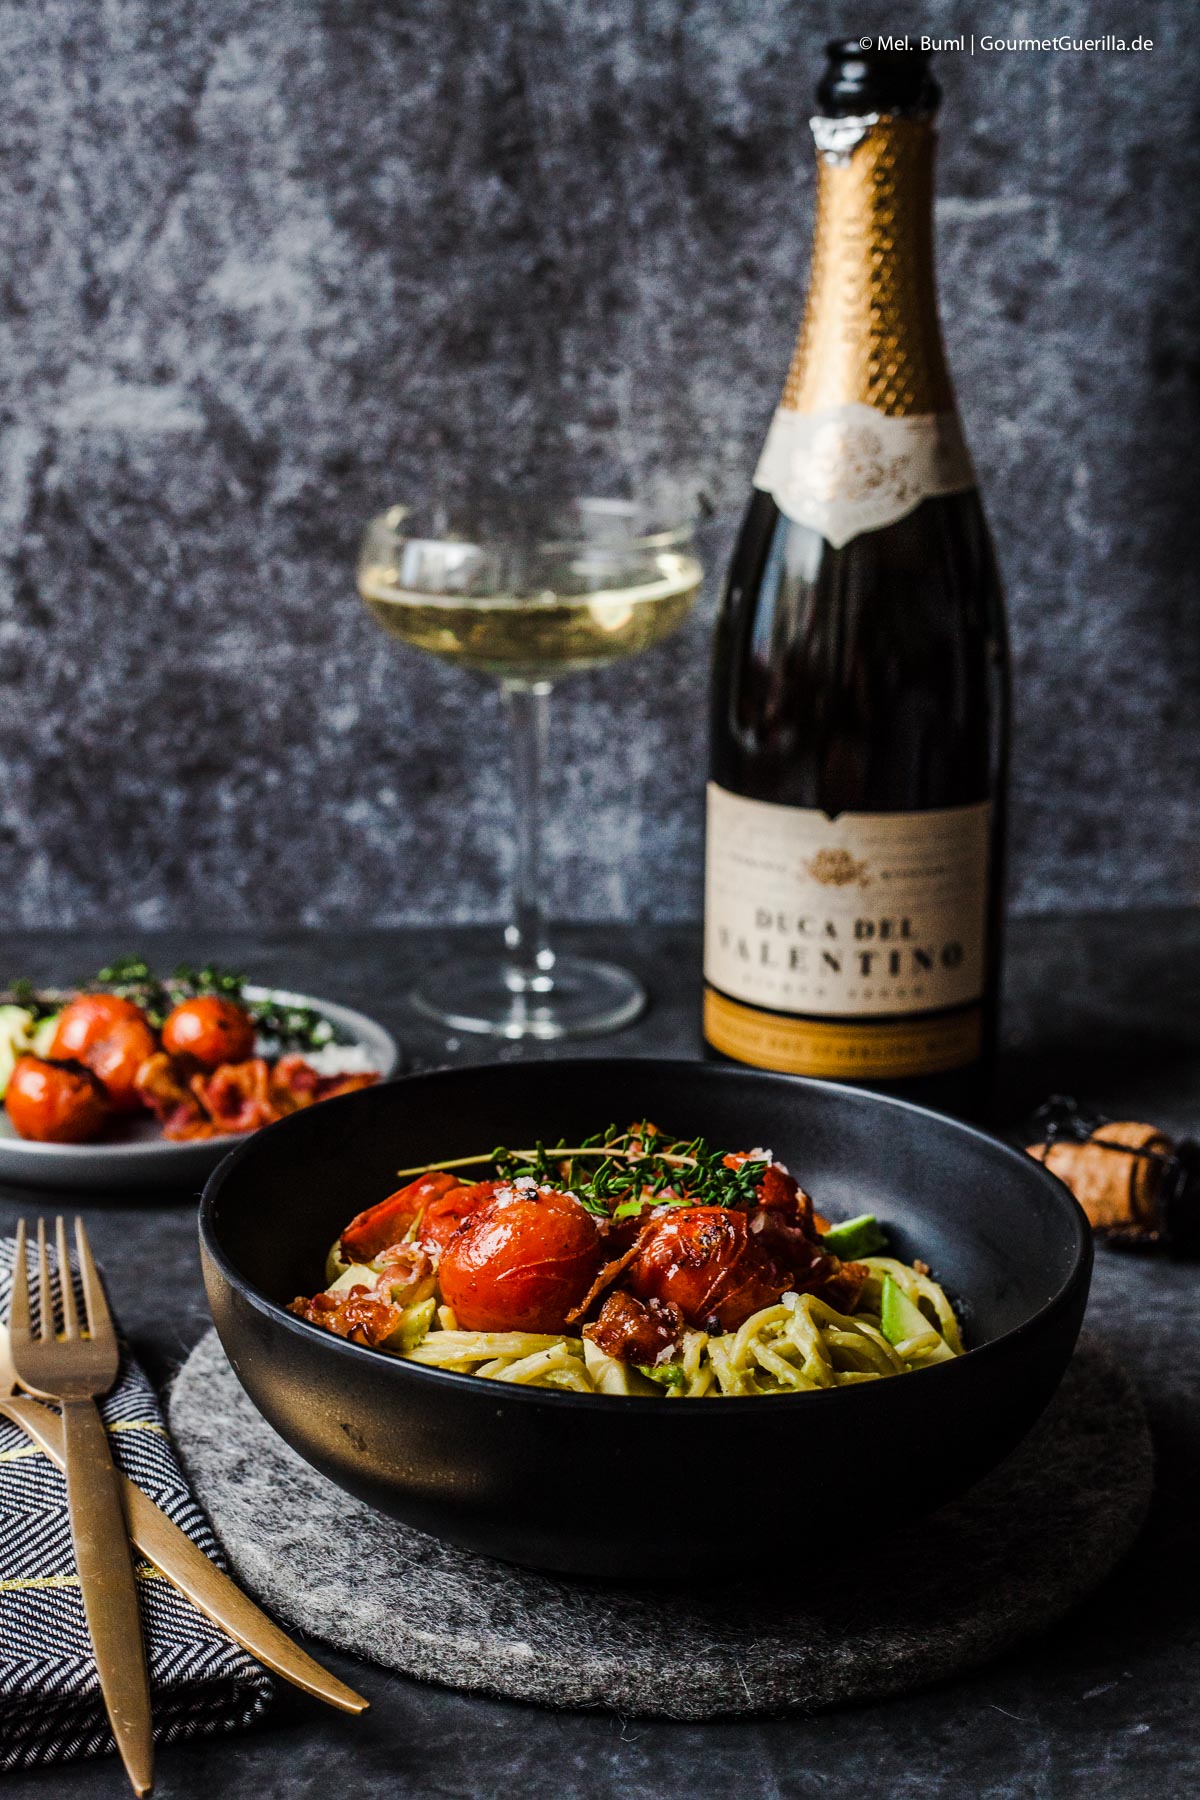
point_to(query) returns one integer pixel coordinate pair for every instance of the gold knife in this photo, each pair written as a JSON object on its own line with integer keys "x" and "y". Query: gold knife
{"x": 186, "y": 1565}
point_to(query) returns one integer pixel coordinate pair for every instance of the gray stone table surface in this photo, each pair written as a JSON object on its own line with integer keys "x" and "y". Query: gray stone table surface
{"x": 1107, "y": 1007}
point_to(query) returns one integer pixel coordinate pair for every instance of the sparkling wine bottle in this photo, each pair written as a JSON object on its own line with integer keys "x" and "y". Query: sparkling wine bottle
{"x": 859, "y": 704}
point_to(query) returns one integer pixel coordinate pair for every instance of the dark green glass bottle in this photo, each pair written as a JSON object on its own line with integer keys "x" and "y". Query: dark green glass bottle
{"x": 854, "y": 865}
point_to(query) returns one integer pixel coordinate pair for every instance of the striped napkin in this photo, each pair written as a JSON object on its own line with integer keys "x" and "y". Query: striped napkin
{"x": 51, "y": 1709}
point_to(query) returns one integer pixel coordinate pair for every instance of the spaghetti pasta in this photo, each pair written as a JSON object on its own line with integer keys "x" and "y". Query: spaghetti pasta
{"x": 797, "y": 1346}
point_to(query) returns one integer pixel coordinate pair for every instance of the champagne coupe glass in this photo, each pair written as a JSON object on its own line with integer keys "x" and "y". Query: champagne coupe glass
{"x": 528, "y": 591}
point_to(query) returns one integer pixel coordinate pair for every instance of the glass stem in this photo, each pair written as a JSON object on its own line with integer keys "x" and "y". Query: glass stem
{"x": 529, "y": 955}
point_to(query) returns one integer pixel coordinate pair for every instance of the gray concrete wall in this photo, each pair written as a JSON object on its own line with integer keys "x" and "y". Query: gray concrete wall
{"x": 271, "y": 264}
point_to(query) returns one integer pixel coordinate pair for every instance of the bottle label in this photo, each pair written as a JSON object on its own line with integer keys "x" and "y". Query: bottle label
{"x": 883, "y": 1050}
{"x": 859, "y": 916}
{"x": 849, "y": 469}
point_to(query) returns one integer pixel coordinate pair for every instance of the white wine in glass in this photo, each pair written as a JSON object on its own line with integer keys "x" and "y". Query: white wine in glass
{"x": 528, "y": 592}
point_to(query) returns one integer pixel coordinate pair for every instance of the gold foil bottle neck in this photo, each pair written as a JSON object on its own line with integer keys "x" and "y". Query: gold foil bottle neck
{"x": 870, "y": 332}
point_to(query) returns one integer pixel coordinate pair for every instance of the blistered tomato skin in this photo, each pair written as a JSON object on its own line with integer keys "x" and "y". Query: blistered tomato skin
{"x": 55, "y": 1103}
{"x": 706, "y": 1261}
{"x": 210, "y": 1029}
{"x": 86, "y": 1020}
{"x": 116, "y": 1058}
{"x": 438, "y": 1201}
{"x": 443, "y": 1217}
{"x": 520, "y": 1262}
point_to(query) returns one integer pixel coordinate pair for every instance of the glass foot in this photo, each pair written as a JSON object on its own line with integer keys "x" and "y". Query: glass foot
{"x": 575, "y": 997}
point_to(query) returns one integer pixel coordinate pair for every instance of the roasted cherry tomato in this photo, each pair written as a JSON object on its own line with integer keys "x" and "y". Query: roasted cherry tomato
{"x": 439, "y": 1200}
{"x": 88, "y": 1018}
{"x": 116, "y": 1058}
{"x": 386, "y": 1222}
{"x": 443, "y": 1216}
{"x": 113, "y": 1037}
{"x": 210, "y": 1029}
{"x": 520, "y": 1262}
{"x": 56, "y": 1102}
{"x": 708, "y": 1263}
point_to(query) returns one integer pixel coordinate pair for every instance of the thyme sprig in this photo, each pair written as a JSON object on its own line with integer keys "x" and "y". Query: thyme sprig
{"x": 632, "y": 1169}
{"x": 133, "y": 978}
{"x": 288, "y": 1027}
{"x": 291, "y": 1027}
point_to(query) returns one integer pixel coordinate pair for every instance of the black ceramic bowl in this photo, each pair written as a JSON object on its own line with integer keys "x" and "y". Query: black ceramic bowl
{"x": 638, "y": 1487}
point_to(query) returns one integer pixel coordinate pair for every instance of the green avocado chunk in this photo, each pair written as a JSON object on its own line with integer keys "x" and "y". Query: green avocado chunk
{"x": 854, "y": 1238}
{"x": 16, "y": 1037}
{"x": 899, "y": 1317}
{"x": 612, "y": 1376}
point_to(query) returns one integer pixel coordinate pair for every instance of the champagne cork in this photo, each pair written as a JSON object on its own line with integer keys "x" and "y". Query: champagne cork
{"x": 1114, "y": 1174}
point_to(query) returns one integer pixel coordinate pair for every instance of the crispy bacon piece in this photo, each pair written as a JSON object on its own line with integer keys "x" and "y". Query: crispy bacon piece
{"x": 246, "y": 1095}
{"x": 163, "y": 1087}
{"x": 330, "y": 1086}
{"x": 357, "y": 1314}
{"x": 237, "y": 1096}
{"x": 233, "y": 1098}
{"x": 182, "y": 1127}
{"x": 369, "y": 1314}
{"x": 610, "y": 1271}
{"x": 636, "y": 1331}
{"x": 296, "y": 1084}
{"x": 787, "y": 1239}
{"x": 159, "y": 1083}
{"x": 406, "y": 1274}
{"x": 778, "y": 1190}
{"x": 842, "y": 1287}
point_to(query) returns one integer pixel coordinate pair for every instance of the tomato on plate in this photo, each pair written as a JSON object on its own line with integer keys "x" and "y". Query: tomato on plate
{"x": 520, "y": 1262}
{"x": 56, "y": 1102}
{"x": 113, "y": 1037}
{"x": 86, "y": 1019}
{"x": 211, "y": 1030}
{"x": 116, "y": 1058}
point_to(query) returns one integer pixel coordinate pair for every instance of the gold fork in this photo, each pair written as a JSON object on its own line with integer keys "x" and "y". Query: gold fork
{"x": 75, "y": 1371}
{"x": 183, "y": 1562}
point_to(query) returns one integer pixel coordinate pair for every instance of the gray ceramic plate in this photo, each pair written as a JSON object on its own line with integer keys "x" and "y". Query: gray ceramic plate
{"x": 141, "y": 1157}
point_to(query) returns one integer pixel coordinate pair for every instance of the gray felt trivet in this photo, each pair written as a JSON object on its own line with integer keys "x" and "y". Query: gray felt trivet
{"x": 943, "y": 1594}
